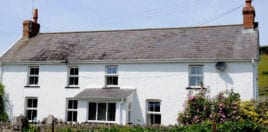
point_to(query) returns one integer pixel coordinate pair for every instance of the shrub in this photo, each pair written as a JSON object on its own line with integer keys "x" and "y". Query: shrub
{"x": 200, "y": 108}
{"x": 3, "y": 114}
{"x": 255, "y": 111}
{"x": 197, "y": 108}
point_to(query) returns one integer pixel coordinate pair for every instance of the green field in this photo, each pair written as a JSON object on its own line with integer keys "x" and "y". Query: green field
{"x": 263, "y": 72}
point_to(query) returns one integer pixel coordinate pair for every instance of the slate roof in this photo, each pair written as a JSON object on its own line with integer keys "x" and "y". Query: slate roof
{"x": 104, "y": 93}
{"x": 212, "y": 42}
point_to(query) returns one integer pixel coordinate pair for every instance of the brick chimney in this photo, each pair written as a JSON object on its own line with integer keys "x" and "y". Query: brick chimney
{"x": 31, "y": 28}
{"x": 248, "y": 15}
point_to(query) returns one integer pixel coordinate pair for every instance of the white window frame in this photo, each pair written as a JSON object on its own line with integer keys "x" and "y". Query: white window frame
{"x": 106, "y": 113}
{"x": 111, "y": 75}
{"x": 33, "y": 75}
{"x": 31, "y": 108}
{"x": 71, "y": 110}
{"x": 148, "y": 112}
{"x": 195, "y": 75}
{"x": 69, "y": 76}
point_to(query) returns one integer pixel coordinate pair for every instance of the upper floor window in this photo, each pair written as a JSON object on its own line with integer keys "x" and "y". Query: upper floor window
{"x": 73, "y": 76}
{"x": 111, "y": 75}
{"x": 33, "y": 75}
{"x": 195, "y": 75}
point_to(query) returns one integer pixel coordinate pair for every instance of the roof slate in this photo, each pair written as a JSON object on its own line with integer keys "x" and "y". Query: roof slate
{"x": 213, "y": 42}
{"x": 104, "y": 93}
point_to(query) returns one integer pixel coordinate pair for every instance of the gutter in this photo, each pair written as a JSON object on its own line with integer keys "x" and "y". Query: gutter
{"x": 131, "y": 61}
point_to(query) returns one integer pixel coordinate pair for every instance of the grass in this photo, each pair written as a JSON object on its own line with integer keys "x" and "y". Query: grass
{"x": 263, "y": 75}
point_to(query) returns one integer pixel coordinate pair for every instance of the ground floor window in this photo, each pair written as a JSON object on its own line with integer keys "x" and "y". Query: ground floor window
{"x": 101, "y": 111}
{"x": 31, "y": 109}
{"x": 153, "y": 112}
{"x": 72, "y": 110}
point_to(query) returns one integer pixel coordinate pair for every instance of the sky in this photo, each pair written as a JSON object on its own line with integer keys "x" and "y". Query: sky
{"x": 91, "y": 15}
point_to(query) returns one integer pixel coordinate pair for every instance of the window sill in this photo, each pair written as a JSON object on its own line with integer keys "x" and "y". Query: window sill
{"x": 101, "y": 122}
{"x": 111, "y": 87}
{"x": 31, "y": 86}
{"x": 194, "y": 88}
{"x": 72, "y": 87}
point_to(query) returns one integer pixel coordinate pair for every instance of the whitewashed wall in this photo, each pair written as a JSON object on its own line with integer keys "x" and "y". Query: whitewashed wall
{"x": 164, "y": 81}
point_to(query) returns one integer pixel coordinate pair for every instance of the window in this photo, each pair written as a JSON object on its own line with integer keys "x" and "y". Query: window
{"x": 73, "y": 77}
{"x": 31, "y": 109}
{"x": 153, "y": 112}
{"x": 101, "y": 111}
{"x": 72, "y": 110}
{"x": 33, "y": 75}
{"x": 129, "y": 112}
{"x": 195, "y": 75}
{"x": 111, "y": 76}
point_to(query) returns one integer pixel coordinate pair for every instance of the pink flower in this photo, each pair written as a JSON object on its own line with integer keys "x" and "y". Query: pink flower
{"x": 191, "y": 97}
{"x": 221, "y": 105}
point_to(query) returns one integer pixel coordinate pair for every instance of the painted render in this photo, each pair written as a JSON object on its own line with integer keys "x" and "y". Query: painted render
{"x": 163, "y": 81}
{"x": 152, "y": 66}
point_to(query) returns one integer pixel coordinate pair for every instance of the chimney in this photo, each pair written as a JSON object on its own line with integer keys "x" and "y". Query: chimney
{"x": 248, "y": 15}
{"x": 31, "y": 28}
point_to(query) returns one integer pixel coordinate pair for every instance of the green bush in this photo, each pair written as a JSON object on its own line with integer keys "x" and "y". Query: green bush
{"x": 3, "y": 114}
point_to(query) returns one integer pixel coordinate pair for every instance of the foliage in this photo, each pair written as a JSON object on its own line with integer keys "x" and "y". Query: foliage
{"x": 255, "y": 111}
{"x": 200, "y": 108}
{"x": 3, "y": 114}
{"x": 228, "y": 126}
{"x": 226, "y": 107}
{"x": 197, "y": 108}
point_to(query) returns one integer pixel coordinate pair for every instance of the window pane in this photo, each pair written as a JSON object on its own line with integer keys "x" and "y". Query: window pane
{"x": 111, "y": 70}
{"x": 196, "y": 70}
{"x": 34, "y": 71}
{"x": 194, "y": 81}
{"x": 199, "y": 70}
{"x": 72, "y": 116}
{"x": 154, "y": 106}
{"x": 74, "y": 71}
{"x": 155, "y": 119}
{"x": 31, "y": 114}
{"x": 193, "y": 70}
{"x": 111, "y": 111}
{"x": 34, "y": 103}
{"x": 102, "y": 111}
{"x": 72, "y": 104}
{"x": 73, "y": 81}
{"x": 31, "y": 103}
{"x": 112, "y": 80}
{"x": 92, "y": 111}
{"x": 33, "y": 80}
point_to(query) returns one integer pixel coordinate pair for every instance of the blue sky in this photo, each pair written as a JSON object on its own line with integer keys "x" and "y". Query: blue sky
{"x": 87, "y": 15}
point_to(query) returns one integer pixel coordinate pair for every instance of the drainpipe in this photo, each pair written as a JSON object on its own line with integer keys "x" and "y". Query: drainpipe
{"x": 120, "y": 111}
{"x": 255, "y": 76}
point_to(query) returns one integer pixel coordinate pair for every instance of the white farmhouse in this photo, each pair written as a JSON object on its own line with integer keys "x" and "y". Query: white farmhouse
{"x": 138, "y": 76}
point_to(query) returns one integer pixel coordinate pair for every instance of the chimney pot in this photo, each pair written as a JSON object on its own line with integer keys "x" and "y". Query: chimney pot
{"x": 35, "y": 15}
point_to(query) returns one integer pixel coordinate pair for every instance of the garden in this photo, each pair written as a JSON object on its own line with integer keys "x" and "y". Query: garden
{"x": 223, "y": 113}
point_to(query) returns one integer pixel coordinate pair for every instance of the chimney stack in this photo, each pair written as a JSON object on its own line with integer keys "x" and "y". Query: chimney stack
{"x": 248, "y": 15}
{"x": 31, "y": 28}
